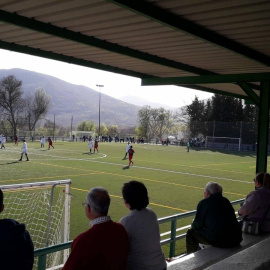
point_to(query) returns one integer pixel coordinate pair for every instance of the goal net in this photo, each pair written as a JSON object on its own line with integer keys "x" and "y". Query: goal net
{"x": 225, "y": 143}
{"x": 44, "y": 207}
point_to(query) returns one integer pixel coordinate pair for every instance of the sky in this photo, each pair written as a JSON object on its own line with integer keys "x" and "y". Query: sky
{"x": 114, "y": 85}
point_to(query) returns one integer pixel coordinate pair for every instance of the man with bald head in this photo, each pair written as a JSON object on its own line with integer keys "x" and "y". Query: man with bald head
{"x": 105, "y": 245}
{"x": 215, "y": 222}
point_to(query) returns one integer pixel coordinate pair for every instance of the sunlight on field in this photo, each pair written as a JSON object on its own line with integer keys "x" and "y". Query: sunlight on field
{"x": 175, "y": 179}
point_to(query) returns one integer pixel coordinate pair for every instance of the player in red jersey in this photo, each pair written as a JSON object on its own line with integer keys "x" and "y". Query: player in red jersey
{"x": 130, "y": 155}
{"x": 50, "y": 143}
{"x": 96, "y": 146}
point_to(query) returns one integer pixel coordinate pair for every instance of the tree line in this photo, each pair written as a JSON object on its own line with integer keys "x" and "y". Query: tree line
{"x": 222, "y": 116}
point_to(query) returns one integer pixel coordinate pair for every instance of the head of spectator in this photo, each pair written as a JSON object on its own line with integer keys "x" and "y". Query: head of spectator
{"x": 258, "y": 180}
{"x": 266, "y": 181}
{"x": 16, "y": 246}
{"x": 212, "y": 188}
{"x": 97, "y": 203}
{"x": 135, "y": 195}
{"x": 1, "y": 201}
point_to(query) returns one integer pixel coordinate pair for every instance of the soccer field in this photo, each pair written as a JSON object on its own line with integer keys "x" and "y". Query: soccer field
{"x": 174, "y": 178}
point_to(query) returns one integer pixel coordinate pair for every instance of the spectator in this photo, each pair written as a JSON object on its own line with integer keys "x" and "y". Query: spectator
{"x": 142, "y": 228}
{"x": 257, "y": 203}
{"x": 16, "y": 246}
{"x": 105, "y": 245}
{"x": 215, "y": 222}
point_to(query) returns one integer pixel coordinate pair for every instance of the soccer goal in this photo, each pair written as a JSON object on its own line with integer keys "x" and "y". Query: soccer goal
{"x": 226, "y": 143}
{"x": 44, "y": 207}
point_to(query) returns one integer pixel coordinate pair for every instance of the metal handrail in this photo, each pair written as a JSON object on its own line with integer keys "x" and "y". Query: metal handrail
{"x": 42, "y": 253}
{"x": 173, "y": 219}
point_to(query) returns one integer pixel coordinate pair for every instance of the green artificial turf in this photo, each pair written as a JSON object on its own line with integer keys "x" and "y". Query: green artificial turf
{"x": 175, "y": 179}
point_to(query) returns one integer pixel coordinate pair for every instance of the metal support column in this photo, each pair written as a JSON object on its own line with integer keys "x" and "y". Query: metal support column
{"x": 263, "y": 128}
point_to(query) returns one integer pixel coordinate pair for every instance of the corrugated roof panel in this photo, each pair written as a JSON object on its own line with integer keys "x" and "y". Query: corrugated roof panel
{"x": 247, "y": 22}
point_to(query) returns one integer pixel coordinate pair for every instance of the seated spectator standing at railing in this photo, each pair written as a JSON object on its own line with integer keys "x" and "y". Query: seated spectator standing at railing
{"x": 215, "y": 222}
{"x": 105, "y": 245}
{"x": 143, "y": 230}
{"x": 16, "y": 247}
{"x": 256, "y": 206}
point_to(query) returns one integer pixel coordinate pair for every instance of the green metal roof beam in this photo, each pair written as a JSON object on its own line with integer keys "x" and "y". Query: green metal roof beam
{"x": 214, "y": 91}
{"x": 206, "y": 79}
{"x": 76, "y": 61}
{"x": 174, "y": 21}
{"x": 95, "y": 42}
{"x": 68, "y": 59}
{"x": 253, "y": 96}
{"x": 78, "y": 37}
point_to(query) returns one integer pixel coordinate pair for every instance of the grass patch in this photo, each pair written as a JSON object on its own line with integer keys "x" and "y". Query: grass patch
{"x": 174, "y": 178}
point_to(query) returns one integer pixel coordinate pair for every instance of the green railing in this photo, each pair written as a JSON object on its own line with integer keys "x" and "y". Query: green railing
{"x": 42, "y": 253}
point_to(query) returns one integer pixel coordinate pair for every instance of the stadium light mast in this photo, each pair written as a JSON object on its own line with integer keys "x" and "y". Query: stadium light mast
{"x": 99, "y": 86}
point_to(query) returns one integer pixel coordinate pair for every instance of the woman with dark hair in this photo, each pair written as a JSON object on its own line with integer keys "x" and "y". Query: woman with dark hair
{"x": 143, "y": 230}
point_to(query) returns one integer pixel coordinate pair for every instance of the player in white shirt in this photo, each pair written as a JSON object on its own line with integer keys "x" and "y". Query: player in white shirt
{"x": 90, "y": 145}
{"x": 42, "y": 141}
{"x": 127, "y": 148}
{"x": 3, "y": 141}
{"x": 24, "y": 151}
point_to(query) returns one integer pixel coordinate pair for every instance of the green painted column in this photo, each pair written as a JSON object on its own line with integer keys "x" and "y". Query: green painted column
{"x": 263, "y": 127}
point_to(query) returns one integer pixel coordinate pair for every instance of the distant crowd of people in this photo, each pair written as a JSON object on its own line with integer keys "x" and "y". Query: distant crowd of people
{"x": 134, "y": 242}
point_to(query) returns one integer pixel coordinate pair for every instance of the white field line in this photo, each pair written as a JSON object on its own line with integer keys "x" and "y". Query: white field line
{"x": 145, "y": 168}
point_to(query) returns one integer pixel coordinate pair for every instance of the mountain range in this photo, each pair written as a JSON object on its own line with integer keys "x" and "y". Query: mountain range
{"x": 77, "y": 102}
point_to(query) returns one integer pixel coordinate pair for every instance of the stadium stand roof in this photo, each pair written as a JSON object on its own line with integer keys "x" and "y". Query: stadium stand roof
{"x": 216, "y": 46}
{"x": 147, "y": 39}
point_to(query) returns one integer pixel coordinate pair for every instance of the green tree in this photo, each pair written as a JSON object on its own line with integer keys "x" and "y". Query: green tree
{"x": 103, "y": 129}
{"x": 197, "y": 117}
{"x": 153, "y": 123}
{"x": 86, "y": 126}
{"x": 250, "y": 124}
{"x": 140, "y": 131}
{"x": 113, "y": 130}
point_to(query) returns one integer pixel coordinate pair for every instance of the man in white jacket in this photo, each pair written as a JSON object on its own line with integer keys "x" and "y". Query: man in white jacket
{"x": 127, "y": 148}
{"x": 24, "y": 151}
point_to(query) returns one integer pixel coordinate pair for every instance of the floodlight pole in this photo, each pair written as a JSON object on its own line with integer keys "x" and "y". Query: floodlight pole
{"x": 99, "y": 86}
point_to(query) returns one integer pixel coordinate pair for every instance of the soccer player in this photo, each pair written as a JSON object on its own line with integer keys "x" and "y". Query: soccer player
{"x": 96, "y": 146}
{"x": 127, "y": 148}
{"x": 50, "y": 143}
{"x": 42, "y": 142}
{"x": 3, "y": 141}
{"x": 188, "y": 146}
{"x": 130, "y": 155}
{"x": 90, "y": 145}
{"x": 24, "y": 151}
{"x": 16, "y": 140}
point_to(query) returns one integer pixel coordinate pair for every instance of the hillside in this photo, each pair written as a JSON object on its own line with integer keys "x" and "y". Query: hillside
{"x": 75, "y": 100}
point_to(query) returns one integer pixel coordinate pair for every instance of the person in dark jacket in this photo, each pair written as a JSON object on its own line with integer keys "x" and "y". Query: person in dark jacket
{"x": 16, "y": 246}
{"x": 215, "y": 222}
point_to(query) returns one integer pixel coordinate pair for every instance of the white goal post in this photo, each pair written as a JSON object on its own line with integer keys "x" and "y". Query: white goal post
{"x": 44, "y": 208}
{"x": 226, "y": 143}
